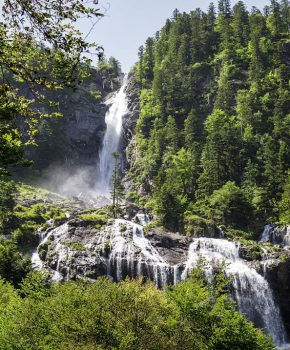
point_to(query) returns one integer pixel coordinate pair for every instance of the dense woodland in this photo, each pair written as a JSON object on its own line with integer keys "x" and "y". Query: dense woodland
{"x": 211, "y": 148}
{"x": 212, "y": 140}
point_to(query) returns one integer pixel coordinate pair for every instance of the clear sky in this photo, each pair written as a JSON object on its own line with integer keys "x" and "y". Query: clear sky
{"x": 128, "y": 23}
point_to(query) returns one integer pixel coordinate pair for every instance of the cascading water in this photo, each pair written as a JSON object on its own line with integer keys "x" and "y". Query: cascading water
{"x": 36, "y": 261}
{"x": 266, "y": 235}
{"x": 122, "y": 250}
{"x": 252, "y": 292}
{"x": 132, "y": 255}
{"x": 118, "y": 108}
{"x": 135, "y": 256}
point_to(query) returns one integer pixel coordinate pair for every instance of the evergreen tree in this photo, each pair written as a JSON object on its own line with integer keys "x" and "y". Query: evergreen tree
{"x": 219, "y": 90}
{"x": 117, "y": 193}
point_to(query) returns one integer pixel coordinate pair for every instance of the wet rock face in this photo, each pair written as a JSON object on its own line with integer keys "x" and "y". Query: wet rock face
{"x": 130, "y": 119}
{"x": 281, "y": 235}
{"x": 77, "y": 249}
{"x": 75, "y": 139}
{"x": 173, "y": 247}
{"x": 129, "y": 122}
{"x": 278, "y": 275}
{"x": 276, "y": 234}
{"x": 81, "y": 248}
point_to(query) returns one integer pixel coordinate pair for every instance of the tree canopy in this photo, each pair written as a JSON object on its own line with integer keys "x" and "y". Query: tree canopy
{"x": 215, "y": 87}
{"x": 41, "y": 49}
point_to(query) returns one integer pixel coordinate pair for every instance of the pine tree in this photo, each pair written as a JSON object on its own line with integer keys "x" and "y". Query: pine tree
{"x": 117, "y": 193}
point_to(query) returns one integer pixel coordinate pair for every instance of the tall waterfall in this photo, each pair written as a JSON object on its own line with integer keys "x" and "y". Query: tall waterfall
{"x": 117, "y": 110}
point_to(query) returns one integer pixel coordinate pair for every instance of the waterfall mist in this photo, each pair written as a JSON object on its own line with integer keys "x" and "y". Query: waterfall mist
{"x": 94, "y": 181}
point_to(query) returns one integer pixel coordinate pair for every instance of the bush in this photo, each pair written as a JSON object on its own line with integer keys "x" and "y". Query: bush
{"x": 195, "y": 226}
{"x": 75, "y": 246}
{"x": 230, "y": 207}
{"x": 26, "y": 235}
{"x": 130, "y": 315}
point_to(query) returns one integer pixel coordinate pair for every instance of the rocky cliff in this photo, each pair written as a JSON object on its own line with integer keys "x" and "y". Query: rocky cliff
{"x": 129, "y": 122}
{"x": 75, "y": 138}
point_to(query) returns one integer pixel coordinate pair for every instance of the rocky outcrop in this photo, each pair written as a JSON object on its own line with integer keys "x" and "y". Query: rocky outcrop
{"x": 85, "y": 248}
{"x": 74, "y": 139}
{"x": 172, "y": 247}
{"x": 277, "y": 273}
{"x": 80, "y": 248}
{"x": 130, "y": 121}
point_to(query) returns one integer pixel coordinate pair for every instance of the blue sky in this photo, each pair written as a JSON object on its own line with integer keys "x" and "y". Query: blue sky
{"x": 128, "y": 23}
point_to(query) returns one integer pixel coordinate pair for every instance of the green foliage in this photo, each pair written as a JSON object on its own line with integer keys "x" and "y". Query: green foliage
{"x": 74, "y": 246}
{"x": 26, "y": 210}
{"x": 117, "y": 193}
{"x": 13, "y": 266}
{"x": 230, "y": 206}
{"x": 7, "y": 202}
{"x": 128, "y": 315}
{"x": 284, "y": 204}
{"x": 215, "y": 102}
{"x": 197, "y": 226}
{"x": 41, "y": 50}
{"x": 173, "y": 187}
{"x": 95, "y": 217}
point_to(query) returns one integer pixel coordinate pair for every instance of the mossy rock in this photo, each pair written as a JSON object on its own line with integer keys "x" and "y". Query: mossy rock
{"x": 123, "y": 228}
{"x": 96, "y": 219}
{"x": 251, "y": 251}
{"x": 196, "y": 226}
{"x": 75, "y": 246}
{"x": 43, "y": 250}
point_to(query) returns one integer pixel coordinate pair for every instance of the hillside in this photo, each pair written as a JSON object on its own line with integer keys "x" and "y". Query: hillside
{"x": 212, "y": 138}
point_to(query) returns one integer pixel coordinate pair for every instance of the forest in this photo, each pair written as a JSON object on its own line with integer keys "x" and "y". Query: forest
{"x": 205, "y": 167}
{"x": 213, "y": 134}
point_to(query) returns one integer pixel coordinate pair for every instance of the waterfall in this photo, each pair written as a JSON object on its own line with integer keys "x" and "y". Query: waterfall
{"x": 266, "y": 235}
{"x": 251, "y": 290}
{"x": 121, "y": 249}
{"x": 118, "y": 108}
{"x": 287, "y": 237}
{"x": 132, "y": 255}
{"x": 36, "y": 261}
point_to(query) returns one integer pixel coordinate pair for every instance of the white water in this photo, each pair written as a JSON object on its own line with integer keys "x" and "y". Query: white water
{"x": 38, "y": 264}
{"x": 118, "y": 108}
{"x": 126, "y": 252}
{"x": 132, "y": 255}
{"x": 252, "y": 292}
{"x": 266, "y": 235}
{"x": 287, "y": 237}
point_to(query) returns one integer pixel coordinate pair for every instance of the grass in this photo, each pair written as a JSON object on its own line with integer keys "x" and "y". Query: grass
{"x": 98, "y": 217}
